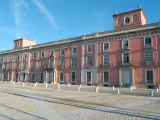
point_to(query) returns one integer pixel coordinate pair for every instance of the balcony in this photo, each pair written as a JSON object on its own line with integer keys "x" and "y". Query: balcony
{"x": 126, "y": 64}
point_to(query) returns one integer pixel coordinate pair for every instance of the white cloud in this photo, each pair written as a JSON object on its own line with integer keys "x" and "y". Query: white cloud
{"x": 46, "y": 13}
{"x": 17, "y": 6}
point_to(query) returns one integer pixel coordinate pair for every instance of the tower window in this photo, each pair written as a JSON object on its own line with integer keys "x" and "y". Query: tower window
{"x": 127, "y": 20}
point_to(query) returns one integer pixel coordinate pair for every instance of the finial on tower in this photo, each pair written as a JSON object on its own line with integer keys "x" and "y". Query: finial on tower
{"x": 139, "y": 6}
{"x": 115, "y": 12}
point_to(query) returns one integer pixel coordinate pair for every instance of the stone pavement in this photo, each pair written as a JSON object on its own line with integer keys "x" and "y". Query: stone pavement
{"x": 56, "y": 104}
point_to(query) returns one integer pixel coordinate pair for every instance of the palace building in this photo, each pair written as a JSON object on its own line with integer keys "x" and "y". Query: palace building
{"x": 126, "y": 56}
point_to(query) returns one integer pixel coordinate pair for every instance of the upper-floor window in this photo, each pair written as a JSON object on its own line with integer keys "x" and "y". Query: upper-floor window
{"x": 106, "y": 60}
{"x": 62, "y": 62}
{"x": 24, "y": 56}
{"x": 42, "y": 54}
{"x": 126, "y": 59}
{"x": 127, "y": 20}
{"x": 73, "y": 61}
{"x": 42, "y": 63}
{"x": 34, "y": 55}
{"x": 148, "y": 42}
{"x": 74, "y": 50}
{"x": 89, "y": 48}
{"x": 62, "y": 52}
{"x": 105, "y": 46}
{"x": 18, "y": 58}
{"x": 51, "y": 52}
{"x": 6, "y": 58}
{"x": 11, "y": 58}
{"x": 34, "y": 64}
{"x": 148, "y": 57}
{"x": 125, "y": 43}
{"x": 51, "y": 62}
{"x": 89, "y": 60}
{"x": 118, "y": 20}
{"x": 135, "y": 18}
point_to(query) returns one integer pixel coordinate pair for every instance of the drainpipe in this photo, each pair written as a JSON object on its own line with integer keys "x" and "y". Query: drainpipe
{"x": 158, "y": 62}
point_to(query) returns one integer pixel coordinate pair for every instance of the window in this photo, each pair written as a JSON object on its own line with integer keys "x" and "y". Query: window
{"x": 119, "y": 21}
{"x": 42, "y": 63}
{"x": 74, "y": 50}
{"x": 33, "y": 77}
{"x": 51, "y": 63}
{"x": 11, "y": 58}
{"x": 149, "y": 76}
{"x": 42, "y": 78}
{"x": 6, "y": 58}
{"x": 10, "y": 65}
{"x": 62, "y": 52}
{"x": 34, "y": 64}
{"x": 73, "y": 76}
{"x": 89, "y": 60}
{"x": 89, "y": 77}
{"x": 24, "y": 57}
{"x": 135, "y": 18}
{"x": 105, "y": 46}
{"x": 148, "y": 57}
{"x": 106, "y": 77}
{"x": 73, "y": 61}
{"x": 24, "y": 76}
{"x": 18, "y": 58}
{"x": 17, "y": 77}
{"x": 18, "y": 65}
{"x": 61, "y": 77}
{"x": 89, "y": 49}
{"x": 126, "y": 58}
{"x": 125, "y": 44}
{"x": 51, "y": 52}
{"x": 148, "y": 42}
{"x": 62, "y": 62}
{"x": 106, "y": 60}
{"x": 34, "y": 55}
{"x": 127, "y": 20}
{"x": 24, "y": 65}
{"x": 42, "y": 54}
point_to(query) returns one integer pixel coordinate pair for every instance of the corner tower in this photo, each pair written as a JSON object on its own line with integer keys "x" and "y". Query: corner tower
{"x": 131, "y": 18}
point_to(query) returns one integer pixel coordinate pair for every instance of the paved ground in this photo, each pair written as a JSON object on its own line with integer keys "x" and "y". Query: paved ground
{"x": 23, "y": 103}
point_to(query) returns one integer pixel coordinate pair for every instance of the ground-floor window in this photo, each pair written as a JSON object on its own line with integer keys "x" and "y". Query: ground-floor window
{"x": 106, "y": 77}
{"x": 33, "y": 77}
{"x": 149, "y": 76}
{"x": 24, "y": 76}
{"x": 89, "y": 76}
{"x": 73, "y": 76}
{"x": 42, "y": 78}
{"x": 61, "y": 76}
{"x": 16, "y": 76}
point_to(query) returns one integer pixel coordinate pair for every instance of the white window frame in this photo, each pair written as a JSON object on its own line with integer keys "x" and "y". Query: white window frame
{"x": 108, "y": 59}
{"x": 61, "y": 61}
{"x": 25, "y": 57}
{"x": 123, "y": 43}
{"x": 123, "y": 58}
{"x": 146, "y": 76}
{"x": 73, "y": 50}
{"x": 71, "y": 76}
{"x": 145, "y": 56}
{"x": 145, "y": 41}
{"x": 125, "y": 20}
{"x": 61, "y": 51}
{"x": 91, "y": 59}
{"x": 60, "y": 76}
{"x": 86, "y": 77}
{"x": 108, "y": 77}
{"x": 108, "y": 46}
{"x": 51, "y": 50}
{"x": 75, "y": 61}
{"x": 91, "y": 49}
{"x": 44, "y": 54}
{"x": 34, "y": 55}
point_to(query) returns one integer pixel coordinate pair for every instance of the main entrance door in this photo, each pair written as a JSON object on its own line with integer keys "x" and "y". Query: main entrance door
{"x": 127, "y": 77}
{"x": 50, "y": 77}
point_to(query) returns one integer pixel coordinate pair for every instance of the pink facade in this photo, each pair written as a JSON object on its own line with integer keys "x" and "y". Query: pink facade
{"x": 126, "y": 56}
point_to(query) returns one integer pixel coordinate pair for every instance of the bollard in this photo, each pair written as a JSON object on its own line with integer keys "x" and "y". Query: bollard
{"x": 118, "y": 92}
{"x": 59, "y": 86}
{"x": 18, "y": 82}
{"x": 46, "y": 85}
{"x": 113, "y": 88}
{"x": 13, "y": 83}
{"x": 52, "y": 83}
{"x": 79, "y": 88}
{"x": 151, "y": 93}
{"x": 131, "y": 88}
{"x": 23, "y": 84}
{"x": 68, "y": 85}
{"x": 35, "y": 84}
{"x": 97, "y": 88}
{"x": 157, "y": 90}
